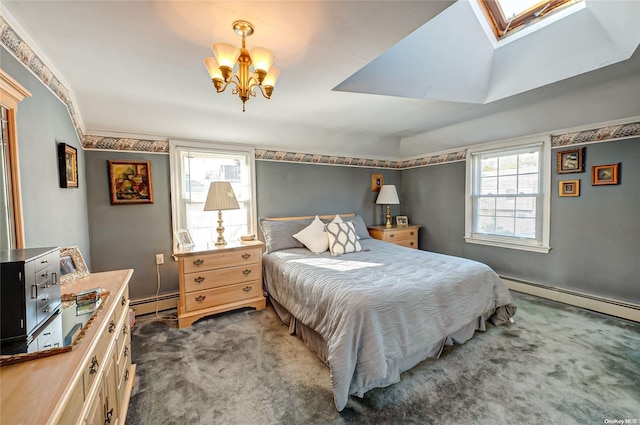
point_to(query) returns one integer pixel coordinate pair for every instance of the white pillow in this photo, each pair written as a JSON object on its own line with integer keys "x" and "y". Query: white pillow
{"x": 337, "y": 219}
{"x": 343, "y": 238}
{"x": 314, "y": 237}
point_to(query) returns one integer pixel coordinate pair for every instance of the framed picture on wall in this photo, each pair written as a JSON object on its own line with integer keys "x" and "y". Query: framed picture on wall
{"x": 570, "y": 161}
{"x": 377, "y": 180}
{"x": 67, "y": 166}
{"x": 130, "y": 182}
{"x": 605, "y": 174}
{"x": 569, "y": 188}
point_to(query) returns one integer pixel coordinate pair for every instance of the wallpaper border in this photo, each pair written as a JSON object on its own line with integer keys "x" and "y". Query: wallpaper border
{"x": 21, "y": 50}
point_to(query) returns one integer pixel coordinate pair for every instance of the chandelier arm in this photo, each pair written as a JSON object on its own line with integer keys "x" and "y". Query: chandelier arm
{"x": 263, "y": 92}
{"x": 226, "y": 85}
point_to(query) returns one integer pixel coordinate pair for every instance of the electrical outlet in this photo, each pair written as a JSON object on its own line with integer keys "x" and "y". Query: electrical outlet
{"x": 159, "y": 258}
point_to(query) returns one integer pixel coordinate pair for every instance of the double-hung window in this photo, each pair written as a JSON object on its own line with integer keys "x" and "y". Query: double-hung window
{"x": 193, "y": 167}
{"x": 508, "y": 191}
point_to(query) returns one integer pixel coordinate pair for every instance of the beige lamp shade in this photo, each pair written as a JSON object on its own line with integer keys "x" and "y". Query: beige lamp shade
{"x": 221, "y": 197}
{"x": 388, "y": 195}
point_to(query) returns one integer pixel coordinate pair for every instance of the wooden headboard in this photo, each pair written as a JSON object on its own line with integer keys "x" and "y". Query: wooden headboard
{"x": 305, "y": 217}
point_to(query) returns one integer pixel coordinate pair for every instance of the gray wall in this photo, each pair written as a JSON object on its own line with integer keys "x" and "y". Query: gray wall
{"x": 290, "y": 189}
{"x": 595, "y": 238}
{"x": 52, "y": 216}
{"x": 127, "y": 236}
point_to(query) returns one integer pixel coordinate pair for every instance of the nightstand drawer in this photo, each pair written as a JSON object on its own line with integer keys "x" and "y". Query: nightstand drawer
{"x": 409, "y": 243}
{"x": 222, "y": 259}
{"x": 399, "y": 234}
{"x": 221, "y": 277}
{"x": 227, "y": 294}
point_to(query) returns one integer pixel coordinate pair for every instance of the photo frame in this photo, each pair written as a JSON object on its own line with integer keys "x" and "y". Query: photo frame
{"x": 72, "y": 265}
{"x": 130, "y": 182}
{"x": 569, "y": 188}
{"x": 402, "y": 221}
{"x": 183, "y": 237}
{"x": 67, "y": 166}
{"x": 377, "y": 180}
{"x": 570, "y": 161}
{"x": 605, "y": 174}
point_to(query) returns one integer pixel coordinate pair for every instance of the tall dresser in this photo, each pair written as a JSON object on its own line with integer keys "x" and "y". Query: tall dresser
{"x": 89, "y": 385}
{"x": 218, "y": 279}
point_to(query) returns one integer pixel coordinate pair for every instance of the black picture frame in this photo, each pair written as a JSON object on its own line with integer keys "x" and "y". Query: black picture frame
{"x": 68, "y": 166}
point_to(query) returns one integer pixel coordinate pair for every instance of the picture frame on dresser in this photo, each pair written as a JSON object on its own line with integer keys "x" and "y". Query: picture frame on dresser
{"x": 402, "y": 221}
{"x": 67, "y": 166}
{"x": 72, "y": 265}
{"x": 183, "y": 238}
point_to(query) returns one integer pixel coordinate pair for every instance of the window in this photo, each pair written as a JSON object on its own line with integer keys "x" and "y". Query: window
{"x": 193, "y": 167}
{"x": 506, "y": 16}
{"x": 508, "y": 192}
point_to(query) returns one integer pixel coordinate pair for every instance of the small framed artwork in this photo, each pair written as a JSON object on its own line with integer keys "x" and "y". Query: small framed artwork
{"x": 67, "y": 166}
{"x": 377, "y": 180}
{"x": 570, "y": 161}
{"x": 569, "y": 188}
{"x": 184, "y": 238}
{"x": 402, "y": 221}
{"x": 605, "y": 174}
{"x": 130, "y": 182}
{"x": 72, "y": 265}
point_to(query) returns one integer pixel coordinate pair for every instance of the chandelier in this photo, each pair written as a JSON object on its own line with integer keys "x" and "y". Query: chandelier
{"x": 221, "y": 66}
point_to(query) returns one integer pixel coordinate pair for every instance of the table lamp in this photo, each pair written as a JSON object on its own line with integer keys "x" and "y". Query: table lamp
{"x": 221, "y": 197}
{"x": 388, "y": 195}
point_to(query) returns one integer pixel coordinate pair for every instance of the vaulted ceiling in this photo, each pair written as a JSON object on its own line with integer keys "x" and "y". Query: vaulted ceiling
{"x": 346, "y": 86}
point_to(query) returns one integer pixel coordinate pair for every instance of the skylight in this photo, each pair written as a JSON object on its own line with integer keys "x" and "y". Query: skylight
{"x": 506, "y": 16}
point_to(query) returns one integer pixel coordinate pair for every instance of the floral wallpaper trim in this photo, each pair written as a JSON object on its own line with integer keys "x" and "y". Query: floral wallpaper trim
{"x": 612, "y": 132}
{"x": 125, "y": 144}
{"x": 16, "y": 45}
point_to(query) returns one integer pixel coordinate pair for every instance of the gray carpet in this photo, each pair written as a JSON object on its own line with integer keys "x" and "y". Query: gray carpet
{"x": 556, "y": 365}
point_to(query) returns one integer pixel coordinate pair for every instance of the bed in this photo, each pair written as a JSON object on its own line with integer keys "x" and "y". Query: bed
{"x": 378, "y": 311}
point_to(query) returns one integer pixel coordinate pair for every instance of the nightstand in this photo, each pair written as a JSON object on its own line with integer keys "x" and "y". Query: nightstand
{"x": 405, "y": 236}
{"x": 217, "y": 279}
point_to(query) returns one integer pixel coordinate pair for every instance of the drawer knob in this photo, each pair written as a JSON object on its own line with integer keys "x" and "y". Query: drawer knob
{"x": 392, "y": 235}
{"x": 44, "y": 261}
{"x": 47, "y": 310}
{"x": 123, "y": 301}
{"x": 107, "y": 417}
{"x": 246, "y": 272}
{"x": 198, "y": 262}
{"x": 246, "y": 288}
{"x": 246, "y": 255}
{"x": 126, "y": 351}
{"x": 45, "y": 274}
{"x": 199, "y": 279}
{"x": 126, "y": 375}
{"x": 411, "y": 233}
{"x": 112, "y": 327}
{"x": 93, "y": 368}
{"x": 124, "y": 330}
{"x": 201, "y": 298}
{"x": 411, "y": 243}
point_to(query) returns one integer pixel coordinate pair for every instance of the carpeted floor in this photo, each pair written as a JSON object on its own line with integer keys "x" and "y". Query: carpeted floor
{"x": 556, "y": 365}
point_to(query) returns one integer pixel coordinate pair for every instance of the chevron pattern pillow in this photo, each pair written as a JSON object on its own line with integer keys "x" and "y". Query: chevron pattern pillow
{"x": 343, "y": 238}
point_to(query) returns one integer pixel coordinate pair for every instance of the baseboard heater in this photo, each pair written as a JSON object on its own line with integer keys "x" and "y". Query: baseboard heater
{"x": 148, "y": 305}
{"x": 610, "y": 306}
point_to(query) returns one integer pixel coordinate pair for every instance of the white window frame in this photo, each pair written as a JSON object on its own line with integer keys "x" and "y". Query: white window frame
{"x": 535, "y": 245}
{"x": 175, "y": 175}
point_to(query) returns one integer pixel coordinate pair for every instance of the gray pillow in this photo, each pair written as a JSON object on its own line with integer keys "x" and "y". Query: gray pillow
{"x": 279, "y": 234}
{"x": 361, "y": 228}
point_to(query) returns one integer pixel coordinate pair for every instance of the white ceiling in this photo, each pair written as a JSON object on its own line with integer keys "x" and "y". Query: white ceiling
{"x": 135, "y": 68}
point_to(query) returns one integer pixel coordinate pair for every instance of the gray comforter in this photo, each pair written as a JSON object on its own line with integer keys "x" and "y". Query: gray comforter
{"x": 383, "y": 310}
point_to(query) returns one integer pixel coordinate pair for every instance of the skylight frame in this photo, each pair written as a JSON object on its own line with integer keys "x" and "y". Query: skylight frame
{"x": 503, "y": 26}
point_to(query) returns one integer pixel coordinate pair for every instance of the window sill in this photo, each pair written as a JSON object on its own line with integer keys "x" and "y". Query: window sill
{"x": 507, "y": 244}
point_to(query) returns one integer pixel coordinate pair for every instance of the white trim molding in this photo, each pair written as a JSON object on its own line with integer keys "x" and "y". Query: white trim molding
{"x": 610, "y": 306}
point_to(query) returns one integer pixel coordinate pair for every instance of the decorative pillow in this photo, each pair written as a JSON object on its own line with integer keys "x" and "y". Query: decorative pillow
{"x": 343, "y": 238}
{"x": 279, "y": 234}
{"x": 314, "y": 236}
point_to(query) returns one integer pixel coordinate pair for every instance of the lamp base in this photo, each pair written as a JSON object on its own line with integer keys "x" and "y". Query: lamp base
{"x": 388, "y": 217}
{"x": 220, "y": 230}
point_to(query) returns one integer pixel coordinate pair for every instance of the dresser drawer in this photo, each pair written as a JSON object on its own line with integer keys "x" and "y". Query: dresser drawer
{"x": 96, "y": 359}
{"x": 221, "y": 277}
{"x": 122, "y": 305}
{"x": 400, "y": 234}
{"x": 409, "y": 243}
{"x": 51, "y": 260}
{"x": 224, "y": 295}
{"x": 221, "y": 259}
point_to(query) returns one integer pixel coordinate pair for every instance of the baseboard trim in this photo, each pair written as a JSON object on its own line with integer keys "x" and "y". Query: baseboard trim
{"x": 148, "y": 305}
{"x": 604, "y": 305}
